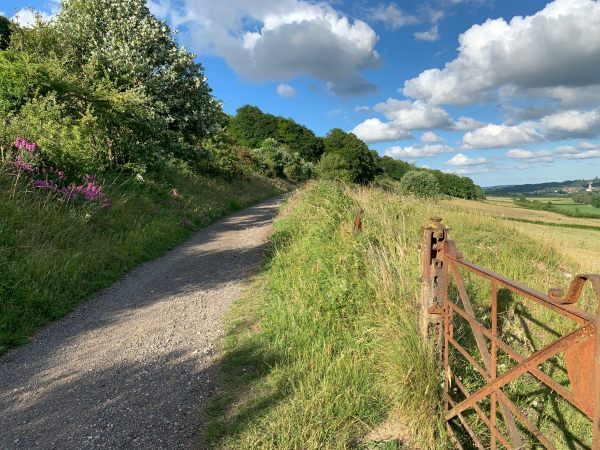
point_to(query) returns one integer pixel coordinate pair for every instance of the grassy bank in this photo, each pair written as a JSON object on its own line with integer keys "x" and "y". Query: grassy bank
{"x": 54, "y": 254}
{"x": 325, "y": 349}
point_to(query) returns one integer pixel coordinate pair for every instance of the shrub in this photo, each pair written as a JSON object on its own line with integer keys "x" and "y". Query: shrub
{"x": 421, "y": 183}
{"x": 334, "y": 167}
{"x": 72, "y": 144}
{"x": 272, "y": 158}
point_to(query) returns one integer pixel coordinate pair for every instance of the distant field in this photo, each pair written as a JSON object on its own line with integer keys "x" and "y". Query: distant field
{"x": 580, "y": 245}
{"x": 504, "y": 207}
{"x": 562, "y": 204}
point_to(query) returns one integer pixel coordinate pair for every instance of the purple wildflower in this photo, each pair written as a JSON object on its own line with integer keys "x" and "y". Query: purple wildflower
{"x": 45, "y": 184}
{"x": 187, "y": 222}
{"x": 24, "y": 144}
{"x": 19, "y": 164}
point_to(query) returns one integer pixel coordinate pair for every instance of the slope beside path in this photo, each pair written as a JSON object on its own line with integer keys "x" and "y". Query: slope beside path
{"x": 132, "y": 367}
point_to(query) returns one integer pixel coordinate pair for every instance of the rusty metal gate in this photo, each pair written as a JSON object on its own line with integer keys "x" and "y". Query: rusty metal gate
{"x": 505, "y": 423}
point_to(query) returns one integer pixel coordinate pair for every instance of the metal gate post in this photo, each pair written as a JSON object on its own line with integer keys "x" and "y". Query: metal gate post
{"x": 433, "y": 279}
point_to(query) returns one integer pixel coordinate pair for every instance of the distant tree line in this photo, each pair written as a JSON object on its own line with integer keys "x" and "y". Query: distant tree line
{"x": 587, "y": 198}
{"x": 340, "y": 155}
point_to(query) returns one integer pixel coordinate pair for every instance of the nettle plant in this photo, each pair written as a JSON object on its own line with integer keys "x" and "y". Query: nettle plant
{"x": 29, "y": 162}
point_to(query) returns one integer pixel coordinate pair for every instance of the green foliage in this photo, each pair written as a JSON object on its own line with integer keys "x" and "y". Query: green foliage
{"x": 333, "y": 167}
{"x": 394, "y": 168}
{"x": 272, "y": 158}
{"x": 275, "y": 161}
{"x": 21, "y": 79}
{"x": 456, "y": 186}
{"x": 587, "y": 198}
{"x": 139, "y": 98}
{"x": 64, "y": 142}
{"x": 299, "y": 139}
{"x": 354, "y": 160}
{"x": 223, "y": 158}
{"x": 297, "y": 169}
{"x": 5, "y": 32}
{"x": 99, "y": 37}
{"x": 420, "y": 183}
{"x": 250, "y": 127}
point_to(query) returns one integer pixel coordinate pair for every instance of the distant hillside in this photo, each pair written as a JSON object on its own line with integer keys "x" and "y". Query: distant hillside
{"x": 562, "y": 187}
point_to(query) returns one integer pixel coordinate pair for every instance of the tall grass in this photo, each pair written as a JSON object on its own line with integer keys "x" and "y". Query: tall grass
{"x": 54, "y": 254}
{"x": 326, "y": 347}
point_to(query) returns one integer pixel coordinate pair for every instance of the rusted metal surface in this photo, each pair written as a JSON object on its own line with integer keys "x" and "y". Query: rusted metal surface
{"x": 358, "y": 221}
{"x": 441, "y": 262}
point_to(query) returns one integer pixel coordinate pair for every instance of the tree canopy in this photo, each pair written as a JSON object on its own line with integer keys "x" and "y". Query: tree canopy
{"x": 5, "y": 31}
{"x": 250, "y": 126}
{"x": 358, "y": 160}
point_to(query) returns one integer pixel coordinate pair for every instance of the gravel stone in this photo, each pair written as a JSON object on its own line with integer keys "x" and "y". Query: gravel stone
{"x": 133, "y": 366}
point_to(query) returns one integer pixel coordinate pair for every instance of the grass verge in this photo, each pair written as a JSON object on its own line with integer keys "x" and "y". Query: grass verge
{"x": 326, "y": 347}
{"x": 53, "y": 255}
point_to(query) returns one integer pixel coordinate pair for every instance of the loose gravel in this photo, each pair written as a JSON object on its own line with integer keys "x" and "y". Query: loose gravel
{"x": 133, "y": 366}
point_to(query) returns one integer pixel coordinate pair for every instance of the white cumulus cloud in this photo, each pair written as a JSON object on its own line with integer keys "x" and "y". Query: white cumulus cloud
{"x": 499, "y": 136}
{"x": 374, "y": 130}
{"x": 285, "y": 90}
{"x": 27, "y": 17}
{"x": 413, "y": 152}
{"x": 558, "y": 48}
{"x": 430, "y": 137}
{"x": 572, "y": 124}
{"x": 279, "y": 39}
{"x": 460, "y": 159}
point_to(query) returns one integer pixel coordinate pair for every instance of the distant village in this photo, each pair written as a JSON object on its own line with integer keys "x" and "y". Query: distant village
{"x": 575, "y": 189}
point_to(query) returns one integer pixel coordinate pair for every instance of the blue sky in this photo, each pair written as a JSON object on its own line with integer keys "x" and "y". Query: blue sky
{"x": 505, "y": 92}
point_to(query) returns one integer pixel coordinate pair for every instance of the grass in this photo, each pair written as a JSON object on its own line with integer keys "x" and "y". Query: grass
{"x": 325, "y": 349}
{"x": 53, "y": 255}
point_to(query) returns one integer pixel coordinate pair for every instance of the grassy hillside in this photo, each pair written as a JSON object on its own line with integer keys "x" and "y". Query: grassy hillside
{"x": 325, "y": 349}
{"x": 54, "y": 253}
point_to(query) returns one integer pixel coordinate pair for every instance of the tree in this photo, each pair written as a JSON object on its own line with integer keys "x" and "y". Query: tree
{"x": 353, "y": 156}
{"x": 394, "y": 168}
{"x": 421, "y": 183}
{"x": 299, "y": 139}
{"x": 250, "y": 126}
{"x": 123, "y": 43}
{"x": 5, "y": 32}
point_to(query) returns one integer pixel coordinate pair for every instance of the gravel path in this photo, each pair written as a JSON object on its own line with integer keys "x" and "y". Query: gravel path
{"x": 132, "y": 367}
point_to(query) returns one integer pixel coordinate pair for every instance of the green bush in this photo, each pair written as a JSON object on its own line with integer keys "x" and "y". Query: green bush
{"x": 21, "y": 80}
{"x": 73, "y": 145}
{"x": 420, "y": 183}
{"x": 333, "y": 167}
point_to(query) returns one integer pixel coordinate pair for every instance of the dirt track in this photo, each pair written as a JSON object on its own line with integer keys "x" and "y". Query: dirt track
{"x": 131, "y": 367}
